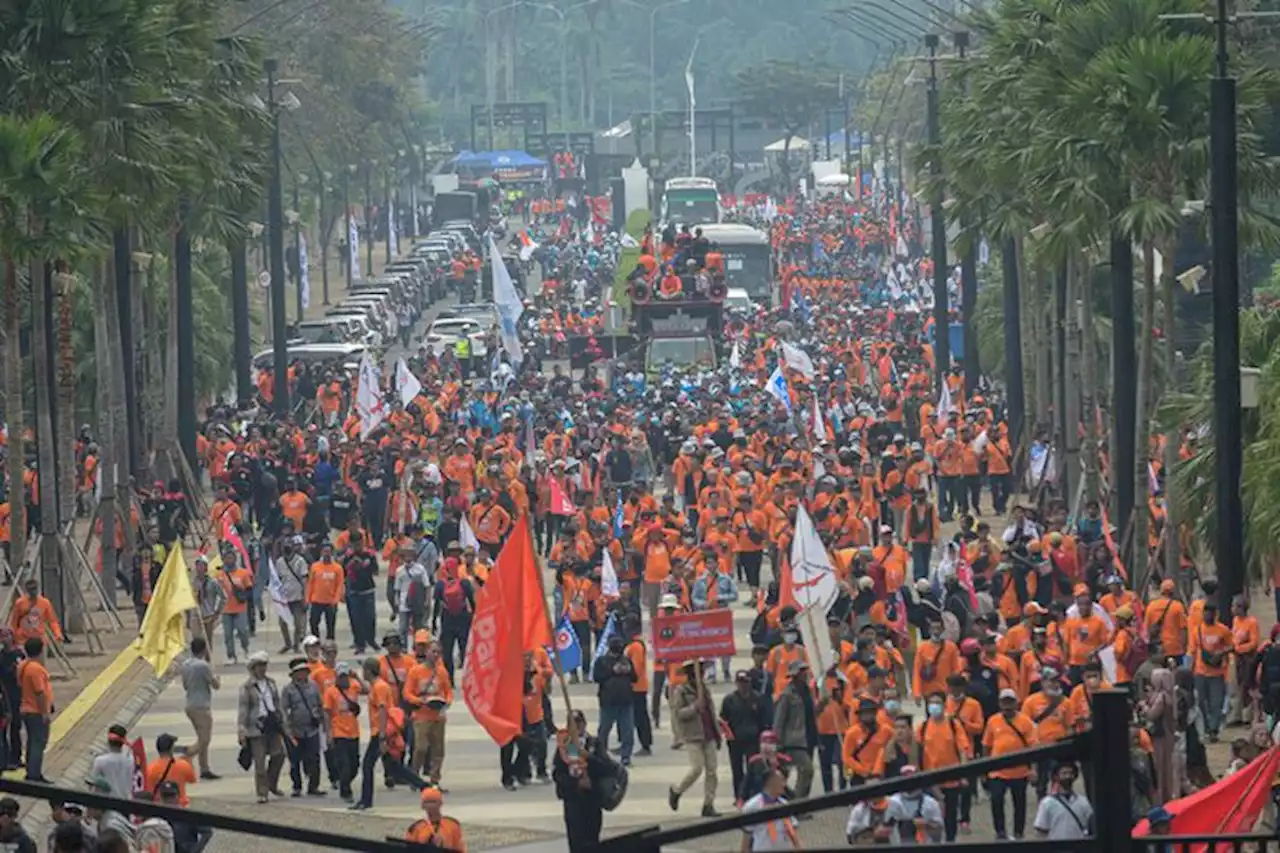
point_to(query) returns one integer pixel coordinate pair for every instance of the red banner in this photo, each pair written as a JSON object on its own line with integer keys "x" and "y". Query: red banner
{"x": 693, "y": 636}
{"x": 139, "y": 750}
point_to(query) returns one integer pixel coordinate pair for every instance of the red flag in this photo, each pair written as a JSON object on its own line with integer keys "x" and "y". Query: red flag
{"x": 139, "y": 750}
{"x": 1229, "y": 806}
{"x": 560, "y": 503}
{"x": 787, "y": 587}
{"x": 493, "y": 679}
{"x": 230, "y": 534}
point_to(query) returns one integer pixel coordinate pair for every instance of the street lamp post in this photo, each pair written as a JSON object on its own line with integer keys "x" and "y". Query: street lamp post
{"x": 275, "y": 226}
{"x": 653, "y": 65}
{"x": 368, "y": 217}
{"x": 490, "y": 67}
{"x": 938, "y": 249}
{"x": 297, "y": 240}
{"x": 968, "y": 283}
{"x": 346, "y": 208}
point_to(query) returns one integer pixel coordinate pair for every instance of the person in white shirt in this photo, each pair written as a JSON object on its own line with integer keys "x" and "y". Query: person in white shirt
{"x": 779, "y": 834}
{"x": 915, "y": 816}
{"x": 1064, "y": 815}
{"x": 116, "y": 767}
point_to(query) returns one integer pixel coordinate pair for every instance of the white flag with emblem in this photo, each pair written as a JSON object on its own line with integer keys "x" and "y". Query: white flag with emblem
{"x": 508, "y": 303}
{"x": 608, "y": 577}
{"x": 815, "y": 588}
{"x": 304, "y": 275}
{"x": 797, "y": 359}
{"x": 406, "y": 382}
{"x": 369, "y": 403}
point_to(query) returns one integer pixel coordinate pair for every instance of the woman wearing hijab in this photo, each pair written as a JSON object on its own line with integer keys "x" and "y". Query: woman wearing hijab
{"x": 1159, "y": 710}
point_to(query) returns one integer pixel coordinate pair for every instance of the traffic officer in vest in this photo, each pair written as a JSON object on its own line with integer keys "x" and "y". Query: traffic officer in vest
{"x": 444, "y": 833}
{"x": 462, "y": 349}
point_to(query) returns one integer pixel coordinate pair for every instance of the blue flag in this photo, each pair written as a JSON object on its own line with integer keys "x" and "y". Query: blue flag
{"x": 610, "y": 628}
{"x": 566, "y": 640}
{"x": 617, "y": 516}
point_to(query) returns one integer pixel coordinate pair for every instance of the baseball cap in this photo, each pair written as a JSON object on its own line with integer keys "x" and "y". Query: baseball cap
{"x": 1008, "y": 694}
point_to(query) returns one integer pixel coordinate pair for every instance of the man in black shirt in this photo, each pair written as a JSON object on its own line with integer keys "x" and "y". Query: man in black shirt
{"x": 617, "y": 464}
{"x": 361, "y": 567}
{"x": 342, "y": 506}
{"x": 375, "y": 483}
{"x": 561, "y": 385}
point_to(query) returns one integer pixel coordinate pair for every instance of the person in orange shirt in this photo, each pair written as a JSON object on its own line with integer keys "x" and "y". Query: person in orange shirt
{"x": 342, "y": 706}
{"x": 36, "y": 707}
{"x": 326, "y": 587}
{"x": 637, "y": 653}
{"x": 1166, "y": 621}
{"x": 935, "y": 661}
{"x": 922, "y": 530}
{"x": 33, "y": 615}
{"x": 237, "y": 587}
{"x": 1006, "y": 732}
{"x": 783, "y": 655}
{"x": 1125, "y": 646}
{"x": 862, "y": 752}
{"x": 382, "y": 699}
{"x": 429, "y": 693}
{"x": 490, "y": 522}
{"x": 1245, "y": 638}
{"x": 167, "y": 767}
{"x": 294, "y": 504}
{"x": 1051, "y": 712}
{"x": 1084, "y": 635}
{"x": 944, "y": 742}
{"x": 1081, "y": 698}
{"x": 442, "y": 833}
{"x": 1211, "y": 648}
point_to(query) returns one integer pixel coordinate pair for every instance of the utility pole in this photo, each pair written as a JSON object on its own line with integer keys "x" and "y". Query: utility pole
{"x": 240, "y": 319}
{"x": 968, "y": 284}
{"x": 297, "y": 246}
{"x": 368, "y": 217}
{"x": 275, "y": 228}
{"x": 941, "y": 314}
{"x": 346, "y": 207}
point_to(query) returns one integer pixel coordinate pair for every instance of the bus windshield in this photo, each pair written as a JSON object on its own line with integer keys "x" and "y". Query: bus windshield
{"x": 749, "y": 267}
{"x": 692, "y": 206}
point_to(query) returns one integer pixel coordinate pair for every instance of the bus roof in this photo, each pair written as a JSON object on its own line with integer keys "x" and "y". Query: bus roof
{"x": 734, "y": 234}
{"x": 690, "y": 184}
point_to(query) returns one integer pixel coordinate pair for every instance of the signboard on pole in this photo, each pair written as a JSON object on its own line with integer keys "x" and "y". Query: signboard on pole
{"x": 693, "y": 636}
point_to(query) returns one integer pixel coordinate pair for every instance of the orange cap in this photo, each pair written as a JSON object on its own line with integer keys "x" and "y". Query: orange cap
{"x": 421, "y": 636}
{"x": 1080, "y": 590}
{"x": 432, "y": 795}
{"x": 1167, "y": 585}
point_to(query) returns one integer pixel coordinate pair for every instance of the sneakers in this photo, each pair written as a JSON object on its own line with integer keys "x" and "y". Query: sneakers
{"x": 210, "y": 775}
{"x": 644, "y": 752}
{"x": 710, "y": 811}
{"x": 673, "y": 799}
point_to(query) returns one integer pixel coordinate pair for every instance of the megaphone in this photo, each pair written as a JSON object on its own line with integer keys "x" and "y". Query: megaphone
{"x": 640, "y": 293}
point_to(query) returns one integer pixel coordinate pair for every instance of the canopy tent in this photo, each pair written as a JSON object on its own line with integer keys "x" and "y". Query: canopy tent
{"x": 514, "y": 165}
{"x": 797, "y": 144}
{"x": 855, "y": 137}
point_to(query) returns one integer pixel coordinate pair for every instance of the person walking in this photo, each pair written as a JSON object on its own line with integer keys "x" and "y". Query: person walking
{"x": 453, "y": 603}
{"x": 1211, "y": 647}
{"x": 259, "y": 729}
{"x": 638, "y": 654}
{"x": 11, "y": 657}
{"x": 360, "y": 565}
{"x": 428, "y": 692}
{"x": 237, "y": 591}
{"x": 744, "y": 713}
{"x": 381, "y": 700}
{"x": 777, "y": 834}
{"x": 571, "y": 772}
{"x": 342, "y": 708}
{"x": 796, "y": 726}
{"x": 695, "y": 726}
{"x": 614, "y": 675}
{"x": 302, "y": 716}
{"x": 1008, "y": 731}
{"x": 326, "y": 588}
{"x": 292, "y": 569}
{"x": 36, "y": 707}
{"x": 211, "y": 599}
{"x": 116, "y": 766}
{"x": 198, "y": 683}
{"x": 1064, "y": 815}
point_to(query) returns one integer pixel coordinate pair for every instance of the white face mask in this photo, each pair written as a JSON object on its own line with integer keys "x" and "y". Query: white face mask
{"x": 790, "y": 637}
{"x": 935, "y": 710}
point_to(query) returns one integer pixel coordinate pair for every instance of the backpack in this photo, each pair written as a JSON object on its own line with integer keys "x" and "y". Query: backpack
{"x": 1137, "y": 654}
{"x": 454, "y": 597}
{"x": 611, "y": 785}
{"x": 415, "y": 600}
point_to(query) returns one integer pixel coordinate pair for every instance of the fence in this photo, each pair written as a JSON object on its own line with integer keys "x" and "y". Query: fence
{"x": 1103, "y": 752}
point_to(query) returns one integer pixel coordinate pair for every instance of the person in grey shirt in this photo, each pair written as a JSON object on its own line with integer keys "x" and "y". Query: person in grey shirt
{"x": 211, "y": 599}
{"x": 115, "y": 768}
{"x": 414, "y": 590}
{"x": 1064, "y": 815}
{"x": 293, "y": 568}
{"x": 301, "y": 716}
{"x": 198, "y": 682}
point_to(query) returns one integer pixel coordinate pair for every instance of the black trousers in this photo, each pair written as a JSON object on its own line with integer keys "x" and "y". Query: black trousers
{"x": 583, "y": 820}
{"x": 514, "y": 760}
{"x": 659, "y": 695}
{"x": 304, "y": 759}
{"x": 951, "y": 810}
{"x": 740, "y": 753}
{"x": 1017, "y": 788}
{"x": 453, "y": 634}
{"x": 346, "y": 754}
{"x": 640, "y": 712}
{"x": 749, "y": 562}
{"x": 327, "y": 612}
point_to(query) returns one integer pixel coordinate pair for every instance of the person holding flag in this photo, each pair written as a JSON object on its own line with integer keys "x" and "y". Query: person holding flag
{"x": 615, "y": 676}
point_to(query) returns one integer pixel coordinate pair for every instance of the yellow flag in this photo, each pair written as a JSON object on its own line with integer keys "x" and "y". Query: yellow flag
{"x": 162, "y": 636}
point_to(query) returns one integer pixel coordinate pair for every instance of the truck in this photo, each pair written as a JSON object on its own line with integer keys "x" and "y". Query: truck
{"x": 681, "y": 333}
{"x": 471, "y": 205}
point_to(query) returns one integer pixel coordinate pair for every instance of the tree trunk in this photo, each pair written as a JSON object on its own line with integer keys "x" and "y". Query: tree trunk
{"x": 1013, "y": 340}
{"x": 1088, "y": 387}
{"x": 1173, "y": 438}
{"x": 107, "y": 359}
{"x": 1124, "y": 373}
{"x": 14, "y": 415}
{"x": 1043, "y": 347}
{"x": 1071, "y": 385}
{"x": 1142, "y": 431}
{"x": 65, "y": 430}
{"x": 1058, "y": 353}
{"x": 38, "y": 275}
{"x": 170, "y": 432}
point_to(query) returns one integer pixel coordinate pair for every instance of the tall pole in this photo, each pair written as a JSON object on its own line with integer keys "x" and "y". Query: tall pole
{"x": 297, "y": 246}
{"x": 941, "y": 321}
{"x": 186, "y": 330}
{"x": 564, "y": 71}
{"x": 391, "y": 212}
{"x": 968, "y": 286}
{"x": 693, "y": 111}
{"x": 325, "y": 189}
{"x": 653, "y": 79}
{"x": 1229, "y": 543}
{"x": 368, "y": 218}
{"x": 346, "y": 207}
{"x": 240, "y": 320}
{"x": 275, "y": 228}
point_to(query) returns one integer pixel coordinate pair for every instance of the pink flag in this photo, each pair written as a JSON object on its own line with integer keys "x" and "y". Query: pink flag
{"x": 230, "y": 534}
{"x": 964, "y": 574}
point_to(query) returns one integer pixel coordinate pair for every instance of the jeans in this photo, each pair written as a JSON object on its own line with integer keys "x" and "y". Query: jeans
{"x": 37, "y": 739}
{"x": 1018, "y": 789}
{"x": 640, "y": 712}
{"x": 921, "y": 552}
{"x": 304, "y": 759}
{"x": 829, "y": 757}
{"x": 327, "y": 612}
{"x": 453, "y": 633}
{"x": 372, "y": 755}
{"x": 235, "y": 625}
{"x": 624, "y": 717}
{"x": 951, "y": 810}
{"x": 1211, "y": 690}
{"x": 362, "y": 611}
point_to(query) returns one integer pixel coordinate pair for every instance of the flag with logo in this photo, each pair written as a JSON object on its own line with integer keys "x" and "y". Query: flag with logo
{"x": 508, "y": 302}
{"x": 406, "y": 382}
{"x": 560, "y": 502}
{"x": 393, "y": 239}
{"x": 369, "y": 404}
{"x": 568, "y": 649}
{"x": 275, "y": 588}
{"x": 608, "y": 577}
{"x": 777, "y": 388}
{"x": 353, "y": 247}
{"x": 602, "y": 647}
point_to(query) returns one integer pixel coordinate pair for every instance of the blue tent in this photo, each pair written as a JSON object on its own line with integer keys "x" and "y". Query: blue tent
{"x": 496, "y": 161}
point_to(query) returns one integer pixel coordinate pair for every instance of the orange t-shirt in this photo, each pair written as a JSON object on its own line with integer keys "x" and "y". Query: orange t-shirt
{"x": 176, "y": 770}
{"x": 1004, "y": 736}
{"x": 37, "y": 691}
{"x": 381, "y": 698}
{"x": 343, "y": 723}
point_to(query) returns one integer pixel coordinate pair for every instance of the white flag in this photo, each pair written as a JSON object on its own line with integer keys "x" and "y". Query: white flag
{"x": 819, "y": 428}
{"x": 628, "y": 242}
{"x": 353, "y": 247}
{"x": 777, "y": 388}
{"x": 735, "y": 357}
{"x": 467, "y": 536}
{"x": 945, "y": 406}
{"x": 815, "y": 588}
{"x": 408, "y": 384}
{"x": 589, "y": 233}
{"x": 608, "y": 576}
{"x": 527, "y": 250}
{"x": 797, "y": 359}
{"x": 507, "y": 301}
{"x": 304, "y": 275}
{"x": 276, "y": 590}
{"x": 369, "y": 404}
{"x": 393, "y": 239}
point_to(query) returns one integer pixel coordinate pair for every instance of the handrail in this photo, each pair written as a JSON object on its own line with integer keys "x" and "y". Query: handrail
{"x": 1072, "y": 749}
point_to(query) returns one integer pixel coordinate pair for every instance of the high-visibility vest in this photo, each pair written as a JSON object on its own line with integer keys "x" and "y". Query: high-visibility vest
{"x": 462, "y": 349}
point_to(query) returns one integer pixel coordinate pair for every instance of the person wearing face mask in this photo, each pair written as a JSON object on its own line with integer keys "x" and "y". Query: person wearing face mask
{"x": 1006, "y": 732}
{"x": 1211, "y": 648}
{"x": 966, "y": 710}
{"x": 782, "y": 656}
{"x": 1064, "y": 815}
{"x": 936, "y": 660}
{"x": 1051, "y": 713}
{"x": 862, "y": 752}
{"x": 768, "y": 760}
{"x": 944, "y": 742}
{"x": 832, "y": 713}
{"x": 915, "y": 816}
{"x": 1084, "y": 634}
{"x": 744, "y": 714}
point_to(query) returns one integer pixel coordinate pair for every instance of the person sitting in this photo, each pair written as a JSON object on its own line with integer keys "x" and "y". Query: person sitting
{"x": 671, "y": 286}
